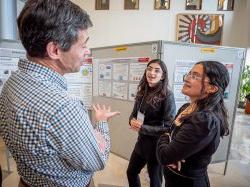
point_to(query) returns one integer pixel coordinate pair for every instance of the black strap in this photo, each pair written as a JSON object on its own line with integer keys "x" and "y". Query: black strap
{"x": 143, "y": 98}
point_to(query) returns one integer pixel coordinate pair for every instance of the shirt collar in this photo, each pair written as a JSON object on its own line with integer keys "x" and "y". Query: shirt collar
{"x": 44, "y": 72}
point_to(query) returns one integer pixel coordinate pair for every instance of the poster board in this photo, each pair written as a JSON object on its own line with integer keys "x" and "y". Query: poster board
{"x": 179, "y": 58}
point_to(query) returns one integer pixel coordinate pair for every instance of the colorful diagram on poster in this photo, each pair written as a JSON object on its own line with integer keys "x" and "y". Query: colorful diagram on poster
{"x": 200, "y": 28}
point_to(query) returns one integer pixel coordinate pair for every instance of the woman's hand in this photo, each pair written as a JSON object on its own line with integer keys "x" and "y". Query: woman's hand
{"x": 177, "y": 165}
{"x": 135, "y": 124}
{"x": 103, "y": 113}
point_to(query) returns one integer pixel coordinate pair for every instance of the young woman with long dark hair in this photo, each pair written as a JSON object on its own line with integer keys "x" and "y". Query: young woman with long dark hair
{"x": 153, "y": 112}
{"x": 187, "y": 150}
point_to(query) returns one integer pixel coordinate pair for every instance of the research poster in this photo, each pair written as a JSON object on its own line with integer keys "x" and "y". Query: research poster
{"x": 9, "y": 63}
{"x": 80, "y": 84}
{"x": 119, "y": 77}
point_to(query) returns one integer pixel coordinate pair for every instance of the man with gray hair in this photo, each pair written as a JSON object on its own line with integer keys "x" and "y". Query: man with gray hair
{"x": 49, "y": 133}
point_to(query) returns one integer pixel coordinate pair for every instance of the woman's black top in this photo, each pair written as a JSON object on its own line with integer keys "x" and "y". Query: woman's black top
{"x": 156, "y": 121}
{"x": 195, "y": 141}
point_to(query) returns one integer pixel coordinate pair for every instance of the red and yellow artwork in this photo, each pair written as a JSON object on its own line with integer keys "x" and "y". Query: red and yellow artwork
{"x": 200, "y": 28}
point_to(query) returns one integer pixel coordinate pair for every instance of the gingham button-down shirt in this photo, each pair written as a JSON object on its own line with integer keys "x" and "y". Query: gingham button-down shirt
{"x": 49, "y": 133}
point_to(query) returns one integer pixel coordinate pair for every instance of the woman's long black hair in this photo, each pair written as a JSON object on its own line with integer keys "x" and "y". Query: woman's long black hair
{"x": 219, "y": 77}
{"x": 159, "y": 92}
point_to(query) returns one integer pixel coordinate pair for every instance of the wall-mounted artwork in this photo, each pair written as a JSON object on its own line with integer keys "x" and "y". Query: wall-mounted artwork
{"x": 193, "y": 4}
{"x": 200, "y": 28}
{"x": 225, "y": 5}
{"x": 101, "y": 4}
{"x": 131, "y": 4}
{"x": 162, "y": 4}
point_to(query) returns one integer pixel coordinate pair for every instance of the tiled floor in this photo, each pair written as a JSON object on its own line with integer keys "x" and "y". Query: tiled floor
{"x": 114, "y": 175}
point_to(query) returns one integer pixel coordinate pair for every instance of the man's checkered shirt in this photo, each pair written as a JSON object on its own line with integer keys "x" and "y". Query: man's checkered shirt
{"x": 49, "y": 133}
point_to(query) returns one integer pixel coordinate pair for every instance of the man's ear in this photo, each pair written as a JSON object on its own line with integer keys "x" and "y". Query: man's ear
{"x": 53, "y": 50}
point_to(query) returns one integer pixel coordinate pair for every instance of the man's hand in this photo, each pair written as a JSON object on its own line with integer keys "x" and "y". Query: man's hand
{"x": 103, "y": 113}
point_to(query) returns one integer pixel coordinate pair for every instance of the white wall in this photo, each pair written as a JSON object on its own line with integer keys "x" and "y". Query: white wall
{"x": 248, "y": 57}
{"x": 248, "y": 37}
{"x": 20, "y": 5}
{"x": 248, "y": 22}
{"x": 119, "y": 26}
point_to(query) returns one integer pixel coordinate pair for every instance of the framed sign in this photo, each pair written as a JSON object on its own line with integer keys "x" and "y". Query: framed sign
{"x": 131, "y": 4}
{"x": 162, "y": 4}
{"x": 225, "y": 5}
{"x": 193, "y": 4}
{"x": 102, "y": 4}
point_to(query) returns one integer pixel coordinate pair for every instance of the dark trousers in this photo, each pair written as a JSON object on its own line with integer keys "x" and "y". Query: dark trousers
{"x": 136, "y": 163}
{"x": 174, "y": 180}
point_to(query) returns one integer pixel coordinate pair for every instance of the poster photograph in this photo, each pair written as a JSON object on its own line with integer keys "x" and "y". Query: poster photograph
{"x": 226, "y": 5}
{"x": 162, "y": 4}
{"x": 102, "y": 4}
{"x": 131, "y": 4}
{"x": 193, "y": 4}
